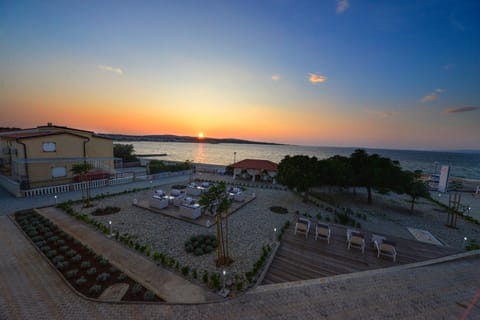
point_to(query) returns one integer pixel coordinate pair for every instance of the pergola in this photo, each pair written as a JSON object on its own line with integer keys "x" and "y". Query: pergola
{"x": 267, "y": 170}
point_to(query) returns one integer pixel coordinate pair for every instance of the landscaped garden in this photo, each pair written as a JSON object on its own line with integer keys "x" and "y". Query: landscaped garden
{"x": 85, "y": 270}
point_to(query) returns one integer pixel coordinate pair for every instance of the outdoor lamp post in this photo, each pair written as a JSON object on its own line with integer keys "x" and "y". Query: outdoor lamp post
{"x": 274, "y": 234}
{"x": 56, "y": 199}
{"x": 224, "y": 272}
{"x": 110, "y": 228}
{"x": 464, "y": 241}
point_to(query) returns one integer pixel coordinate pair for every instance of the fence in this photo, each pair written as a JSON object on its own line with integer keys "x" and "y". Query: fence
{"x": 96, "y": 183}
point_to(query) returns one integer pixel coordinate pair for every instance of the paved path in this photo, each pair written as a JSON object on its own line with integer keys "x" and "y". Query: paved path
{"x": 31, "y": 289}
{"x": 166, "y": 284}
{"x": 10, "y": 203}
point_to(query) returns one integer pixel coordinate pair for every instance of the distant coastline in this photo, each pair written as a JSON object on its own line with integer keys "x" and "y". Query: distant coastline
{"x": 175, "y": 138}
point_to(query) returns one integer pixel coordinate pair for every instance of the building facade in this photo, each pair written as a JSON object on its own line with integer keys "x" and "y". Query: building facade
{"x": 44, "y": 156}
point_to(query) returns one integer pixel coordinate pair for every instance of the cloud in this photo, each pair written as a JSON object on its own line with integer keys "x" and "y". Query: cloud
{"x": 461, "y": 109}
{"x": 110, "y": 69}
{"x": 382, "y": 113}
{"x": 316, "y": 78}
{"x": 448, "y": 67}
{"x": 276, "y": 77}
{"x": 342, "y": 5}
{"x": 432, "y": 96}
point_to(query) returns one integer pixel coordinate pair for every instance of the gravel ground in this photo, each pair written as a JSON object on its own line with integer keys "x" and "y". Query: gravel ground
{"x": 251, "y": 227}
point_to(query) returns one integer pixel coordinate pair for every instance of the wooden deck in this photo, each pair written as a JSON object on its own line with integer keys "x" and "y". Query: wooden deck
{"x": 300, "y": 259}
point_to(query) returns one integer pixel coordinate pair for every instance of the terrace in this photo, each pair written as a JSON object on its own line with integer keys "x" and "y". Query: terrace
{"x": 300, "y": 259}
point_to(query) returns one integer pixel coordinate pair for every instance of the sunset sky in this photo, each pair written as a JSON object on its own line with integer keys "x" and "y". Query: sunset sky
{"x": 388, "y": 74}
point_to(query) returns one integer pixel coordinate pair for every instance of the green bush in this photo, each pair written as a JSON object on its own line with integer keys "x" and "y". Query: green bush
{"x": 137, "y": 287}
{"x": 149, "y": 296}
{"x": 201, "y": 244}
{"x": 122, "y": 276}
{"x": 81, "y": 281}
{"x": 63, "y": 248}
{"x": 103, "y": 277}
{"x": 51, "y": 253}
{"x": 71, "y": 273}
{"x": 58, "y": 258}
{"x": 103, "y": 262}
{"x": 205, "y": 276}
{"x": 85, "y": 265}
{"x": 91, "y": 271}
{"x": 96, "y": 288}
{"x": 76, "y": 258}
{"x": 61, "y": 265}
{"x": 71, "y": 253}
{"x": 185, "y": 270}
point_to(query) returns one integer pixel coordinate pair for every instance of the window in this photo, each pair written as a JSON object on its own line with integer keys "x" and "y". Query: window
{"x": 49, "y": 147}
{"x": 59, "y": 172}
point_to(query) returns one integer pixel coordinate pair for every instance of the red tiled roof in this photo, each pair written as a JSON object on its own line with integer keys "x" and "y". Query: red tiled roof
{"x": 256, "y": 164}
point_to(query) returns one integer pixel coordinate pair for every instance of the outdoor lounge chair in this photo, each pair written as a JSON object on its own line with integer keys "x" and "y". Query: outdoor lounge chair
{"x": 323, "y": 231}
{"x": 302, "y": 225}
{"x": 356, "y": 240}
{"x": 386, "y": 248}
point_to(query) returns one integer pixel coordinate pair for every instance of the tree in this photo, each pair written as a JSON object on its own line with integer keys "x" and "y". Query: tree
{"x": 124, "y": 151}
{"x": 298, "y": 172}
{"x": 217, "y": 202}
{"x": 375, "y": 172}
{"x": 82, "y": 169}
{"x": 414, "y": 187}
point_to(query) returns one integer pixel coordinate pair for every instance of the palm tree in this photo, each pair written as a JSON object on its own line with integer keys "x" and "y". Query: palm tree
{"x": 82, "y": 169}
{"x": 216, "y": 201}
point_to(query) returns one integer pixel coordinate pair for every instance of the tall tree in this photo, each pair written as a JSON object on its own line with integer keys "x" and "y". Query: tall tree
{"x": 414, "y": 187}
{"x": 217, "y": 202}
{"x": 124, "y": 151}
{"x": 298, "y": 172}
{"x": 81, "y": 170}
{"x": 375, "y": 172}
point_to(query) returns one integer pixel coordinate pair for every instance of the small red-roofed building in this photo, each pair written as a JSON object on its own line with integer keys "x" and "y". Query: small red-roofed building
{"x": 255, "y": 170}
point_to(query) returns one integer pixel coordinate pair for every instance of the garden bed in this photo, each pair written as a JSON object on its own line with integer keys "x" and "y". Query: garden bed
{"x": 86, "y": 271}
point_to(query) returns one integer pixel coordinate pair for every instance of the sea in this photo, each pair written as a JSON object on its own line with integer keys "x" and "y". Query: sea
{"x": 462, "y": 164}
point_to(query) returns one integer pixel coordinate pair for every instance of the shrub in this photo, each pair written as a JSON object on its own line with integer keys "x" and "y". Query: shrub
{"x": 51, "y": 253}
{"x": 71, "y": 253}
{"x": 91, "y": 271}
{"x": 103, "y": 277}
{"x": 185, "y": 270}
{"x": 194, "y": 274}
{"x": 122, "y": 276}
{"x": 45, "y": 249}
{"x": 149, "y": 296}
{"x": 76, "y": 258}
{"x": 52, "y": 239}
{"x": 40, "y": 243}
{"x": 71, "y": 273}
{"x": 81, "y": 281}
{"x": 61, "y": 242}
{"x": 96, "y": 288}
{"x": 137, "y": 287}
{"x": 85, "y": 265}
{"x": 198, "y": 244}
{"x": 205, "y": 276}
{"x": 103, "y": 262}
{"x": 61, "y": 265}
{"x": 58, "y": 259}
{"x": 279, "y": 210}
{"x": 63, "y": 248}
{"x": 112, "y": 269}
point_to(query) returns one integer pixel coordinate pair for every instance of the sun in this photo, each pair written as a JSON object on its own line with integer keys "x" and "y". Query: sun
{"x": 200, "y": 135}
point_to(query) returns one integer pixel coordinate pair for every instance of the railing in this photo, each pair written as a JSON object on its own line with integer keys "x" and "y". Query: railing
{"x": 94, "y": 184}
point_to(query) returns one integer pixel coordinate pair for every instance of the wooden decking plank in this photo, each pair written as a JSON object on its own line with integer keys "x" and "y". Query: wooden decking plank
{"x": 300, "y": 259}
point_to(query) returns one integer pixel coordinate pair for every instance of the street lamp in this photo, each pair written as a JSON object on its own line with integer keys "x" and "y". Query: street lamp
{"x": 56, "y": 199}
{"x": 110, "y": 228}
{"x": 464, "y": 242}
{"x": 274, "y": 234}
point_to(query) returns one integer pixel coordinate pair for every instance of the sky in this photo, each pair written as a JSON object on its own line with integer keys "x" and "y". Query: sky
{"x": 378, "y": 74}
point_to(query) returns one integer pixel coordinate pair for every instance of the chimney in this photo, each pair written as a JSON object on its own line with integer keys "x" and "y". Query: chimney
{"x": 49, "y": 124}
